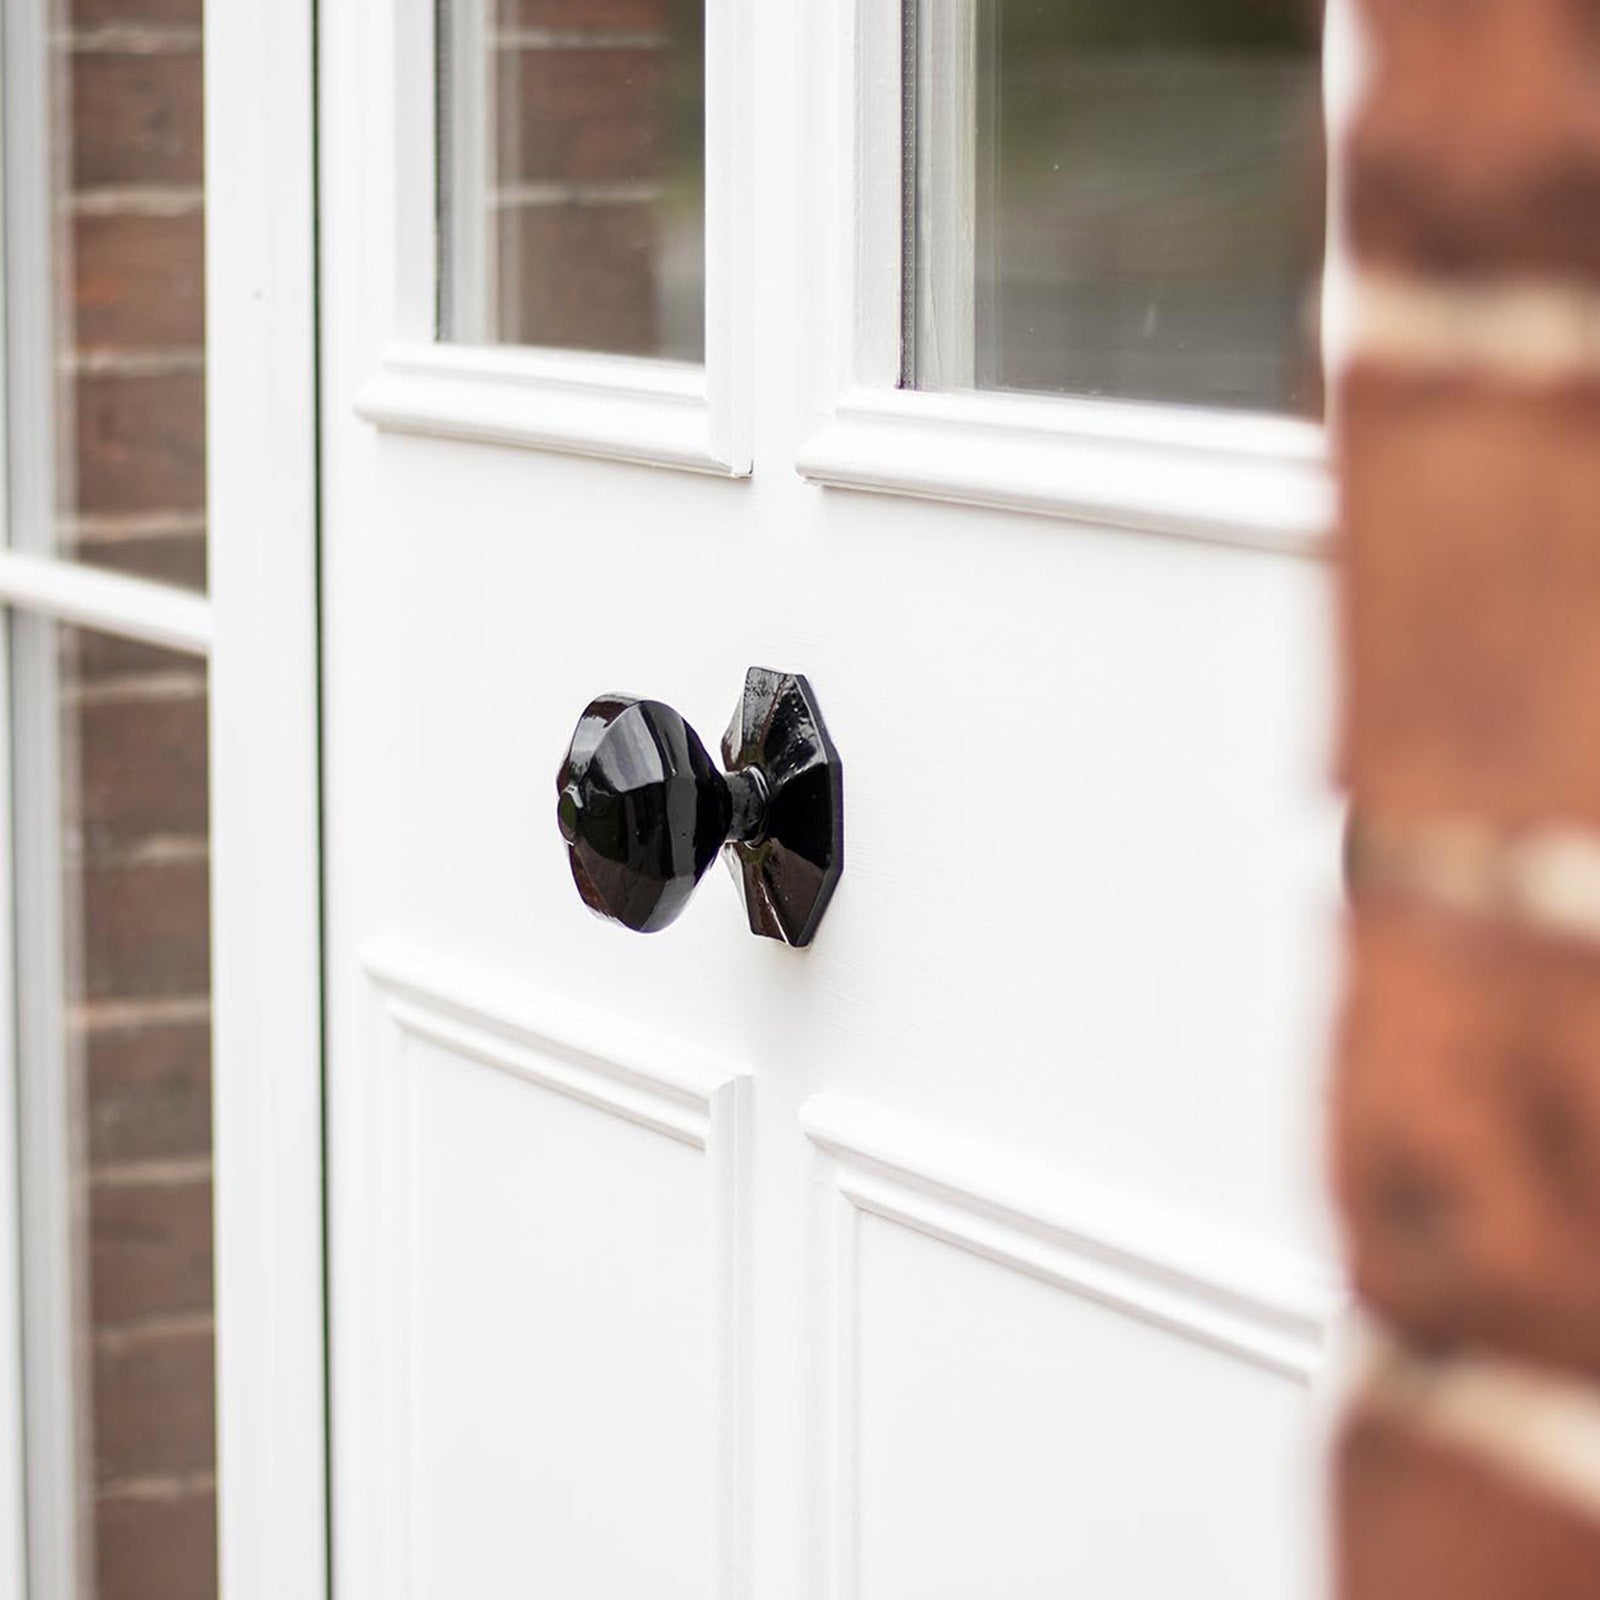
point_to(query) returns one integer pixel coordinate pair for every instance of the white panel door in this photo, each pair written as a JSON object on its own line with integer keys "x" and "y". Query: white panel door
{"x": 954, "y": 355}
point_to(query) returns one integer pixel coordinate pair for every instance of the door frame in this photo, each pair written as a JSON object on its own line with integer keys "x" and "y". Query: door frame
{"x": 262, "y": 433}
{"x": 257, "y": 628}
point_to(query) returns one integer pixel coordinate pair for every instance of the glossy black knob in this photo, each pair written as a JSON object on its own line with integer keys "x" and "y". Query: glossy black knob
{"x": 644, "y": 810}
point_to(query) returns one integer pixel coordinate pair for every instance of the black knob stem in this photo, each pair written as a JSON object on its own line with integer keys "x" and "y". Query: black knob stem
{"x": 748, "y": 791}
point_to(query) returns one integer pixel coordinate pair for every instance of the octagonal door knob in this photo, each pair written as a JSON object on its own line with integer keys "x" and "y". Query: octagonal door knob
{"x": 644, "y": 810}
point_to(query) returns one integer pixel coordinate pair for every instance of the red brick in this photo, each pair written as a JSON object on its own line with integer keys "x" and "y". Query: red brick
{"x": 598, "y": 15}
{"x": 137, "y": 119}
{"x": 154, "y": 1408}
{"x": 581, "y": 116}
{"x": 149, "y": 1248}
{"x": 95, "y": 657}
{"x": 155, "y": 1546}
{"x": 1478, "y": 150}
{"x": 160, "y": 13}
{"x": 146, "y": 929}
{"x": 141, "y": 771}
{"x": 1471, "y": 596}
{"x": 139, "y": 280}
{"x": 149, "y": 1090}
{"x": 1466, "y": 1121}
{"x": 580, "y": 277}
{"x": 1425, "y": 1519}
{"x": 141, "y": 442}
{"x": 178, "y": 559}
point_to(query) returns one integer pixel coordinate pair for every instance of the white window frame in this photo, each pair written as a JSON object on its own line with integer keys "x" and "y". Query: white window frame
{"x": 658, "y": 412}
{"x": 939, "y": 329}
{"x": 262, "y": 452}
{"x": 257, "y": 629}
{"x": 1239, "y": 478}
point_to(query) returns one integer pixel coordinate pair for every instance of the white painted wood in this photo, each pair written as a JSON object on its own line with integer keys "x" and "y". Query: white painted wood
{"x": 1272, "y": 1312}
{"x": 58, "y": 1419}
{"x": 730, "y": 223}
{"x": 149, "y": 612}
{"x": 1276, "y": 1316}
{"x": 1257, "y": 481}
{"x": 265, "y": 884}
{"x": 1084, "y": 944}
{"x": 36, "y": 407}
{"x": 1005, "y": 1433}
{"x": 544, "y": 1038}
{"x": 944, "y": 194}
{"x": 52, "y": 1240}
{"x": 459, "y": 1239}
{"x": 469, "y": 272}
{"x": 13, "y": 1476}
{"x": 654, "y": 412}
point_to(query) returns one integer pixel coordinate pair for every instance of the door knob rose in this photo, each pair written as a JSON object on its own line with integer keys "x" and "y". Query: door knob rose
{"x": 644, "y": 810}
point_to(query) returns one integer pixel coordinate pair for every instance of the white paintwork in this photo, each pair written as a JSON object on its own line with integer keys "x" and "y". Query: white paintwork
{"x": 656, "y": 412}
{"x": 941, "y": 192}
{"x": 149, "y": 612}
{"x": 56, "y": 1356}
{"x": 1166, "y": 1481}
{"x": 13, "y": 1475}
{"x": 1246, "y": 1524}
{"x": 470, "y": 288}
{"x": 562, "y": 1205}
{"x": 1256, "y": 481}
{"x": 33, "y": 402}
{"x": 52, "y": 1236}
{"x": 266, "y": 969}
{"x": 1215, "y": 1290}
{"x": 1037, "y": 1260}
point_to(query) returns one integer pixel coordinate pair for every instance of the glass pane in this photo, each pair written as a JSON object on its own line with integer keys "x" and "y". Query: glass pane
{"x": 572, "y": 174}
{"x": 107, "y": 305}
{"x": 1117, "y": 197}
{"x": 109, "y": 762}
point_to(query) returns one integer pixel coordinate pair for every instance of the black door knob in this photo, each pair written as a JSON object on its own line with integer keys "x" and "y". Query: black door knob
{"x": 644, "y": 810}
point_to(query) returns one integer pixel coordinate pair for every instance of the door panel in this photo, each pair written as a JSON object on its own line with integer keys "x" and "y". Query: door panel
{"x": 1099, "y": 1453}
{"x": 976, "y": 1248}
{"x": 557, "y": 1283}
{"x": 1023, "y": 1373}
{"x": 557, "y": 1251}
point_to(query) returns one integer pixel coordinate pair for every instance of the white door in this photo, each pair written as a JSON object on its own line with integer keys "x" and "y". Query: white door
{"x": 975, "y": 1249}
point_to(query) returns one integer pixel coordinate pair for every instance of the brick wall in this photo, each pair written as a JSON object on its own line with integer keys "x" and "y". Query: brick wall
{"x": 133, "y": 723}
{"x": 1467, "y": 1103}
{"x": 590, "y": 131}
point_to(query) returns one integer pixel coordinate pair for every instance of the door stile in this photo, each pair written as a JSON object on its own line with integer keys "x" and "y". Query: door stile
{"x": 266, "y": 902}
